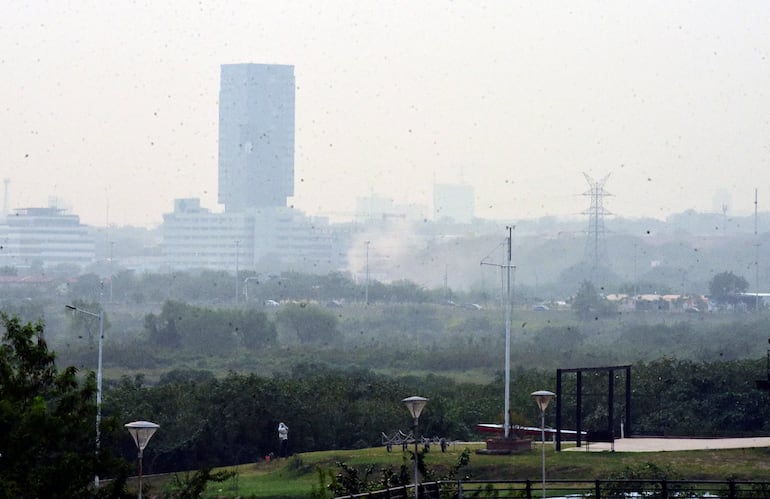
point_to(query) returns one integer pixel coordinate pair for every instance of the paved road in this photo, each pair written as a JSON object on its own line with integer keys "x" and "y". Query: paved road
{"x": 643, "y": 444}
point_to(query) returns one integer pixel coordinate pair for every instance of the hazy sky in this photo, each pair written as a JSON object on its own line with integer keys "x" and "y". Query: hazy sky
{"x": 112, "y": 106}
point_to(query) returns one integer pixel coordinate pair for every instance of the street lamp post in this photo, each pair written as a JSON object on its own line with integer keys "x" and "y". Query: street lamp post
{"x": 99, "y": 316}
{"x": 542, "y": 399}
{"x": 366, "y": 299}
{"x": 415, "y": 405}
{"x": 237, "y": 251}
{"x": 142, "y": 432}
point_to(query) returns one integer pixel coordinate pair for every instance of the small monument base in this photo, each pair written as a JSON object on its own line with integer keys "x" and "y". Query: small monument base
{"x": 506, "y": 446}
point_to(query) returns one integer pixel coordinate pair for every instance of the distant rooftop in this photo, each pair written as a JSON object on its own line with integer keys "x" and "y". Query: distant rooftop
{"x": 50, "y": 211}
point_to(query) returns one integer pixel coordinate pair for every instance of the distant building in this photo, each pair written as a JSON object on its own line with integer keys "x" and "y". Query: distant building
{"x": 455, "y": 202}
{"x": 287, "y": 239}
{"x": 257, "y": 231}
{"x": 195, "y": 238}
{"x": 256, "y": 136}
{"x": 376, "y": 208}
{"x": 263, "y": 240}
{"x": 38, "y": 238}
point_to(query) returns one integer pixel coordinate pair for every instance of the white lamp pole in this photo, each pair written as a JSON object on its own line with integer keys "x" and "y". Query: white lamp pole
{"x": 542, "y": 399}
{"x": 415, "y": 405}
{"x": 508, "y": 305}
{"x": 237, "y": 251}
{"x": 508, "y": 311}
{"x": 142, "y": 432}
{"x": 100, "y": 316}
{"x": 366, "y": 299}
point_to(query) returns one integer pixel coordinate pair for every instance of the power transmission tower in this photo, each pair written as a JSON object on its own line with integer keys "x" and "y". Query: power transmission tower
{"x": 596, "y": 245}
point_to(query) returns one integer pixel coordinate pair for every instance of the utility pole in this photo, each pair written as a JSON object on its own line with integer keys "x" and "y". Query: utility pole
{"x": 366, "y": 298}
{"x": 508, "y": 338}
{"x": 756, "y": 255}
{"x": 237, "y": 248}
{"x": 112, "y": 268}
{"x": 508, "y": 305}
{"x": 447, "y": 298}
{"x": 99, "y": 316}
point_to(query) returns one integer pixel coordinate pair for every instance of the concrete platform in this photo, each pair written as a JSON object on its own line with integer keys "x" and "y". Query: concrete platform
{"x": 651, "y": 444}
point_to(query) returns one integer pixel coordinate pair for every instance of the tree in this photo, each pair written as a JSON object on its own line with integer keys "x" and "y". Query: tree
{"x": 255, "y": 329}
{"x": 724, "y": 286}
{"x": 404, "y": 291}
{"x": 193, "y": 328}
{"x": 310, "y": 323}
{"x": 588, "y": 304}
{"x": 162, "y": 331}
{"x": 88, "y": 287}
{"x": 47, "y": 437}
{"x": 193, "y": 486}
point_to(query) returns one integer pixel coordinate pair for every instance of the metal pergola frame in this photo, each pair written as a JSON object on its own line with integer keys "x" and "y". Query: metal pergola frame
{"x": 610, "y": 370}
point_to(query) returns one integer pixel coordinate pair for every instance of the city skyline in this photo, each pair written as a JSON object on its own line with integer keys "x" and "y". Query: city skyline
{"x": 114, "y": 109}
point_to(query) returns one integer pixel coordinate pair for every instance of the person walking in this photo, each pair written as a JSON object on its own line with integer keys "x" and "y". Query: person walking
{"x": 283, "y": 439}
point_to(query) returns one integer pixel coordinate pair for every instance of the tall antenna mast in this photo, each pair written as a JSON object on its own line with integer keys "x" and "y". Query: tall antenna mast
{"x": 756, "y": 254}
{"x": 595, "y": 243}
{"x": 6, "y": 181}
{"x": 508, "y": 306}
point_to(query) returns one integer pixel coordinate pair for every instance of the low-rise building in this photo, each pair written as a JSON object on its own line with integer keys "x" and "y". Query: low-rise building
{"x": 44, "y": 238}
{"x": 261, "y": 239}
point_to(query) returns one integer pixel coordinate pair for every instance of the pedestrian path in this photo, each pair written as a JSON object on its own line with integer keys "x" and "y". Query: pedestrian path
{"x": 651, "y": 444}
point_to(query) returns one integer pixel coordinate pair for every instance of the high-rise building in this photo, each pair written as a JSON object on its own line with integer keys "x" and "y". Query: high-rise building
{"x": 257, "y": 231}
{"x": 256, "y": 136}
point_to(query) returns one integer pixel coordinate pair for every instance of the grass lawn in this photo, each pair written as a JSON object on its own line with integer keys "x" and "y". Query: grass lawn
{"x": 297, "y": 476}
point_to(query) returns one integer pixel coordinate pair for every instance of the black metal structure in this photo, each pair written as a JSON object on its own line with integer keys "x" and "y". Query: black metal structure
{"x": 597, "y": 489}
{"x": 610, "y": 370}
{"x": 764, "y": 384}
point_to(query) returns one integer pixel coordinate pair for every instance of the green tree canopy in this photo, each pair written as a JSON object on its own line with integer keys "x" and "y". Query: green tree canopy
{"x": 208, "y": 330}
{"x": 589, "y": 304}
{"x": 309, "y": 322}
{"x": 47, "y": 437}
{"x": 725, "y": 285}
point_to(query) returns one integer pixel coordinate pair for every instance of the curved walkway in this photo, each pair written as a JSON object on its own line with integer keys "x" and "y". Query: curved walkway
{"x": 645, "y": 444}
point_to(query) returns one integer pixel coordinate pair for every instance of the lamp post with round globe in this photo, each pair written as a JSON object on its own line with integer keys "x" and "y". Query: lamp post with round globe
{"x": 415, "y": 405}
{"x": 542, "y": 399}
{"x": 142, "y": 432}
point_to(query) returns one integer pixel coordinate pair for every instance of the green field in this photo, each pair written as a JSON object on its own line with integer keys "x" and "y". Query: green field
{"x": 297, "y": 476}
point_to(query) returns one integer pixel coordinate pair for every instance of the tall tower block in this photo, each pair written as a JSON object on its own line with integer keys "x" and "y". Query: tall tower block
{"x": 256, "y": 136}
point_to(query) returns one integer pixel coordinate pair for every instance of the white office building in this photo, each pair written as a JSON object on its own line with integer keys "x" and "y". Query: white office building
{"x": 44, "y": 238}
{"x": 264, "y": 240}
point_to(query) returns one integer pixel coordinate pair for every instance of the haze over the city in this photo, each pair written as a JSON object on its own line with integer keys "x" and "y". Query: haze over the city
{"x": 112, "y": 107}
